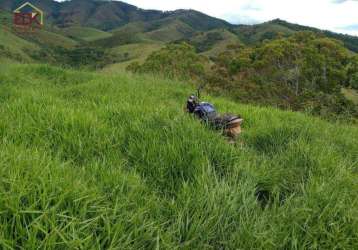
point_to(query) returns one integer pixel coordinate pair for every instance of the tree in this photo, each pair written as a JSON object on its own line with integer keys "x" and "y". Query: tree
{"x": 352, "y": 72}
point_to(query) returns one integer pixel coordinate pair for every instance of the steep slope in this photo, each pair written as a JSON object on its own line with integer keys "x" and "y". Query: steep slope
{"x": 130, "y": 53}
{"x": 85, "y": 34}
{"x": 227, "y": 39}
{"x": 174, "y": 29}
{"x": 251, "y": 34}
{"x": 212, "y": 42}
{"x": 107, "y": 15}
{"x": 13, "y": 47}
{"x": 183, "y": 24}
{"x": 103, "y": 15}
{"x": 198, "y": 21}
{"x": 20, "y": 46}
{"x": 164, "y": 30}
{"x": 49, "y": 38}
{"x": 49, "y": 6}
{"x": 93, "y": 161}
{"x": 351, "y": 42}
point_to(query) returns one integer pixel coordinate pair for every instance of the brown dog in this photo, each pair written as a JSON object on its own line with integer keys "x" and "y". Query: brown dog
{"x": 233, "y": 128}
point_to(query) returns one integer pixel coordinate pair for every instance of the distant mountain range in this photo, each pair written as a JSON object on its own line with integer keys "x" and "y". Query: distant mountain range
{"x": 131, "y": 33}
{"x": 107, "y": 15}
{"x": 137, "y": 24}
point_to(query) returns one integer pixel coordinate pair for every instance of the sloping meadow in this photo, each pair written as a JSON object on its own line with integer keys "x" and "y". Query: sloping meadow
{"x": 93, "y": 161}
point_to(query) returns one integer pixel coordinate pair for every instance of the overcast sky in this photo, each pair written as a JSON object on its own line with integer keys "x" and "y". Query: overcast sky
{"x": 336, "y": 15}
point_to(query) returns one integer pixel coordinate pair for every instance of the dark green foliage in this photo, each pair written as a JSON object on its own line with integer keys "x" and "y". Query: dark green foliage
{"x": 118, "y": 38}
{"x": 207, "y": 43}
{"x": 91, "y": 57}
{"x": 254, "y": 34}
{"x": 353, "y": 73}
{"x": 302, "y": 72}
{"x": 199, "y": 21}
{"x": 82, "y": 56}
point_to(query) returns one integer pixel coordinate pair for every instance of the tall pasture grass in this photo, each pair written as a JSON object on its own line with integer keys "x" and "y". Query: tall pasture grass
{"x": 92, "y": 161}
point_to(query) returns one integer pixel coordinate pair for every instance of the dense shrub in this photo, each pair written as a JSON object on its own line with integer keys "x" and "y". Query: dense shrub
{"x": 353, "y": 72}
{"x": 78, "y": 57}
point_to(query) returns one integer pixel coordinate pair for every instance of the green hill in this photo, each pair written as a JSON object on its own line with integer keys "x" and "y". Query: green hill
{"x": 136, "y": 52}
{"x": 168, "y": 29}
{"x": 213, "y": 42}
{"x": 50, "y": 38}
{"x": 351, "y": 42}
{"x": 172, "y": 30}
{"x": 94, "y": 20}
{"x": 91, "y": 161}
{"x": 14, "y": 47}
{"x": 85, "y": 34}
{"x": 109, "y": 15}
{"x": 20, "y": 46}
{"x": 252, "y": 34}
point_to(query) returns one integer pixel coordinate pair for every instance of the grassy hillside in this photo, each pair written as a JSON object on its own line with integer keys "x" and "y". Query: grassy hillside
{"x": 213, "y": 42}
{"x": 131, "y": 52}
{"x": 228, "y": 38}
{"x": 170, "y": 30}
{"x": 85, "y": 33}
{"x": 251, "y": 34}
{"x": 163, "y": 26}
{"x": 45, "y": 38}
{"x": 20, "y": 46}
{"x": 14, "y": 47}
{"x": 158, "y": 31}
{"x": 111, "y": 161}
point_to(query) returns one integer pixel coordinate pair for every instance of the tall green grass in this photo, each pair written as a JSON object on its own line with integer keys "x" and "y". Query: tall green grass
{"x": 90, "y": 161}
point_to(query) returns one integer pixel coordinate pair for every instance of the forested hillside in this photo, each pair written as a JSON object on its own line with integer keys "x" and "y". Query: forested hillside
{"x": 304, "y": 72}
{"x": 112, "y": 15}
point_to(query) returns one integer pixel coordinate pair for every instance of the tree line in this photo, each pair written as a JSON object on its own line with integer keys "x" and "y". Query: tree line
{"x": 303, "y": 72}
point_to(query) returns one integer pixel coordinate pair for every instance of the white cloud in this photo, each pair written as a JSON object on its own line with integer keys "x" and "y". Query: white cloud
{"x": 342, "y": 1}
{"x": 332, "y": 15}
